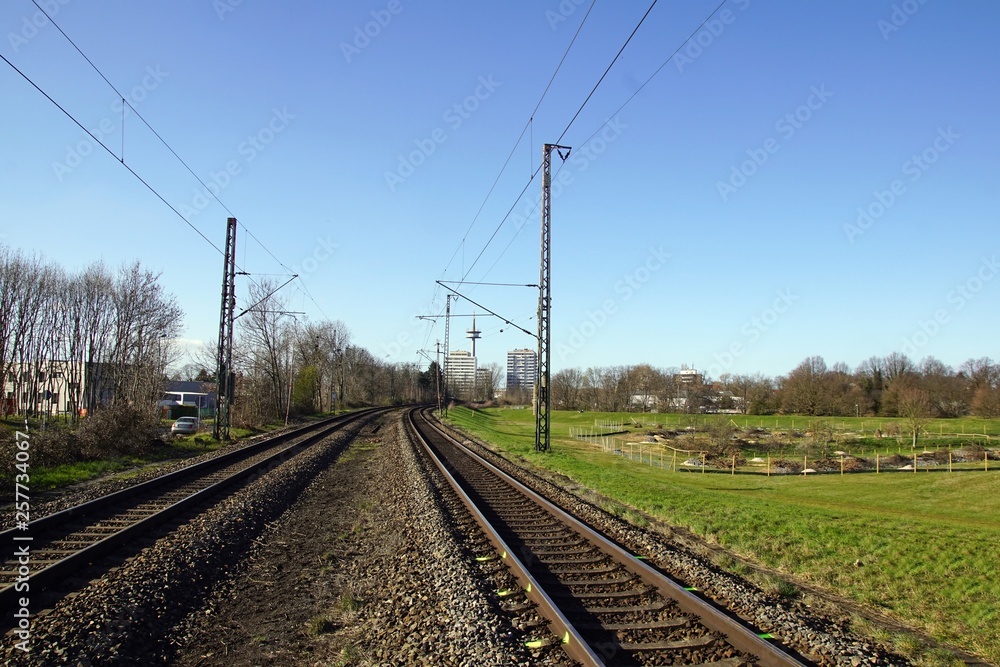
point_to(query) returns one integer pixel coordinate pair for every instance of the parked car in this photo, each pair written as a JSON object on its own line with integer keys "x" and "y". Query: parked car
{"x": 185, "y": 426}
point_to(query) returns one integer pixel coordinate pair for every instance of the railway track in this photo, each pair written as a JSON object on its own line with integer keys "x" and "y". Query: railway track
{"x": 64, "y": 543}
{"x": 606, "y": 605}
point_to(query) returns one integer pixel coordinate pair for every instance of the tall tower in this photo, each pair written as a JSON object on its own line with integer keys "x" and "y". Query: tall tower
{"x": 473, "y": 334}
{"x": 225, "y": 377}
{"x": 542, "y": 397}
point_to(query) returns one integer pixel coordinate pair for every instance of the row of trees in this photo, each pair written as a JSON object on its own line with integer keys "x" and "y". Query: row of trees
{"x": 71, "y": 341}
{"x": 893, "y": 385}
{"x": 98, "y": 337}
{"x": 287, "y": 367}
{"x": 887, "y": 386}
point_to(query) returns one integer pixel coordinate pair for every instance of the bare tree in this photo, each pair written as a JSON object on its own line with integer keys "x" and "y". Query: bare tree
{"x": 914, "y": 407}
{"x": 264, "y": 351}
{"x": 566, "y": 386}
{"x": 493, "y": 376}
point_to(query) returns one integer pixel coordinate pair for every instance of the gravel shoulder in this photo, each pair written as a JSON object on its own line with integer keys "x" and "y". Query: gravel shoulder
{"x": 126, "y": 615}
{"x": 370, "y": 567}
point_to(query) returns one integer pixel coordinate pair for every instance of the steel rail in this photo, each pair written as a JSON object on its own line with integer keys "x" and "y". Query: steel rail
{"x": 736, "y": 633}
{"x": 43, "y": 579}
{"x": 575, "y": 646}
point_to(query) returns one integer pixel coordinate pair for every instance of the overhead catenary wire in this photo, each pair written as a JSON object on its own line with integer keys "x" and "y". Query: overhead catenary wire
{"x": 672, "y": 55}
{"x": 608, "y": 69}
{"x": 210, "y": 191}
{"x": 563, "y": 134}
{"x": 163, "y": 141}
{"x": 527, "y": 126}
{"x": 111, "y": 153}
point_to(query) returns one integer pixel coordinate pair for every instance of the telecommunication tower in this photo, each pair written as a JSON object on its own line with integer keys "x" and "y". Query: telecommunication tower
{"x": 473, "y": 334}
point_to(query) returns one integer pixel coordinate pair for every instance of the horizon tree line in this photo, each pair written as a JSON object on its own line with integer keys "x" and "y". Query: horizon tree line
{"x": 888, "y": 386}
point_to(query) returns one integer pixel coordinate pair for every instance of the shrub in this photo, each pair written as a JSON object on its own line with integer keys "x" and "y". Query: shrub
{"x": 118, "y": 430}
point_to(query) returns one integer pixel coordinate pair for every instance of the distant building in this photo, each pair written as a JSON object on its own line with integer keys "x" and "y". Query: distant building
{"x": 194, "y": 393}
{"x": 522, "y": 368}
{"x": 689, "y": 376}
{"x": 55, "y": 386}
{"x": 461, "y": 371}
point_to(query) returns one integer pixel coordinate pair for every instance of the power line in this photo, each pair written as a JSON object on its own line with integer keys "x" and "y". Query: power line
{"x": 612, "y": 64}
{"x": 174, "y": 153}
{"x": 673, "y": 54}
{"x": 111, "y": 153}
{"x": 156, "y": 134}
{"x": 520, "y": 136}
{"x": 566, "y": 129}
{"x": 658, "y": 69}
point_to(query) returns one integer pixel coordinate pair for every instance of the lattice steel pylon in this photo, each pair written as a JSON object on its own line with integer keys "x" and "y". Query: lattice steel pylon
{"x": 447, "y": 342}
{"x": 542, "y": 398}
{"x": 226, "y": 378}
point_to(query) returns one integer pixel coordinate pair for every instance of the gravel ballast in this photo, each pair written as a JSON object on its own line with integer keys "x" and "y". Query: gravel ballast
{"x": 820, "y": 638}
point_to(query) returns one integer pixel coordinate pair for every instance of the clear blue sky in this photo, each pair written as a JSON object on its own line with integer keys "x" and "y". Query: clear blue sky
{"x": 714, "y": 222}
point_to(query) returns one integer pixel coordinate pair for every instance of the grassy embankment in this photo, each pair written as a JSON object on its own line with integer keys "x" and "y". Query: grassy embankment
{"x": 927, "y": 543}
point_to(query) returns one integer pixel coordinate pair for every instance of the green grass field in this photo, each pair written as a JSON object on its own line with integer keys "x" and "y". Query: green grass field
{"x": 928, "y": 543}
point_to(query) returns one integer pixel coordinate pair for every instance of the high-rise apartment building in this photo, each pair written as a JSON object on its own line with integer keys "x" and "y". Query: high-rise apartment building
{"x": 522, "y": 367}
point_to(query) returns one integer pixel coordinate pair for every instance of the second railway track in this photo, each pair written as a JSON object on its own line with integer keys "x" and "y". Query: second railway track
{"x": 605, "y": 604}
{"x": 65, "y": 542}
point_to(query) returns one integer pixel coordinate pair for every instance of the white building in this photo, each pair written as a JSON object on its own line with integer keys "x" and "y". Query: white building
{"x": 461, "y": 371}
{"x": 53, "y": 386}
{"x": 522, "y": 368}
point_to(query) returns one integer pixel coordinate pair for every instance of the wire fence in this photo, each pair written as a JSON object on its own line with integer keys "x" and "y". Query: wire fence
{"x": 675, "y": 459}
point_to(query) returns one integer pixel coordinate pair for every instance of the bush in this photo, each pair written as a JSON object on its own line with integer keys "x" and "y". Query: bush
{"x": 119, "y": 430}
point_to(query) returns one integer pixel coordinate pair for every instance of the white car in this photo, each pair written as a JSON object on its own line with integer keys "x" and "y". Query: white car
{"x": 185, "y": 426}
